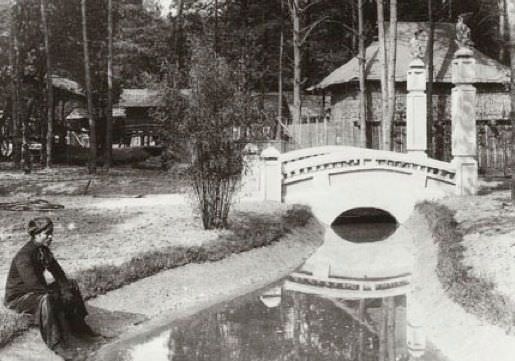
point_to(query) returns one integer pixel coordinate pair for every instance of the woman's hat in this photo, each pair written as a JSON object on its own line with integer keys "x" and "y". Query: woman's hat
{"x": 40, "y": 224}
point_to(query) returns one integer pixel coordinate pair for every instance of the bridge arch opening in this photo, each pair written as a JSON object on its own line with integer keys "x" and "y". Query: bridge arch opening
{"x": 364, "y": 225}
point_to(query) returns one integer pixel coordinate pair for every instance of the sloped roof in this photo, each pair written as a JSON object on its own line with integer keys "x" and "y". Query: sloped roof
{"x": 488, "y": 70}
{"x": 144, "y": 98}
{"x": 67, "y": 84}
{"x": 81, "y": 113}
{"x": 140, "y": 98}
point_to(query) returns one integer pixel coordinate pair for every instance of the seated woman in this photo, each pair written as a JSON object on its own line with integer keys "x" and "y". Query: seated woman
{"x": 58, "y": 308}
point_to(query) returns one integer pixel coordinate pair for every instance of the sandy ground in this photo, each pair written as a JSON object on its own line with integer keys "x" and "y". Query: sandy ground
{"x": 182, "y": 291}
{"x": 93, "y": 231}
{"x": 488, "y": 225}
{"x": 459, "y": 335}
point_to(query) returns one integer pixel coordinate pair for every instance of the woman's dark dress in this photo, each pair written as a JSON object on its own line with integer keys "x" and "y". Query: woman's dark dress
{"x": 54, "y": 306}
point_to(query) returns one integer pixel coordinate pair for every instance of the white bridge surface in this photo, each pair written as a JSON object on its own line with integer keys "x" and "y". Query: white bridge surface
{"x": 335, "y": 179}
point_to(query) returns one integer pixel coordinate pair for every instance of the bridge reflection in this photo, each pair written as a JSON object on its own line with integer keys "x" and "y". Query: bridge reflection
{"x": 349, "y": 301}
{"x": 351, "y": 269}
{"x": 297, "y": 326}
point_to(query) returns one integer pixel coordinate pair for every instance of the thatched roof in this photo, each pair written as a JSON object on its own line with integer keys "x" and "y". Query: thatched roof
{"x": 67, "y": 85}
{"x": 144, "y": 98}
{"x": 134, "y": 98}
{"x": 488, "y": 70}
{"x": 81, "y": 113}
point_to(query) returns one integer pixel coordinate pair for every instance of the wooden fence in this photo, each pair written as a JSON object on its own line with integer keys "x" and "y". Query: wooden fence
{"x": 493, "y": 141}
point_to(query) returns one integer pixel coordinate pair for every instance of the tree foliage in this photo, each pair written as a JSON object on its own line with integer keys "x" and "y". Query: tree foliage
{"x": 214, "y": 120}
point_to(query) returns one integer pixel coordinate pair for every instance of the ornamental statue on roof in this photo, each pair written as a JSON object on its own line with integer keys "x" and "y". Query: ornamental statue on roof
{"x": 463, "y": 32}
{"x": 418, "y": 44}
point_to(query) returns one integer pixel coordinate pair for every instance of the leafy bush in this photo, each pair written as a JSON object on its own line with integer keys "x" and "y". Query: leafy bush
{"x": 217, "y": 109}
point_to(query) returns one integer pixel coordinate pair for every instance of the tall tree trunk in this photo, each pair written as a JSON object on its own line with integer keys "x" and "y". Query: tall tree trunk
{"x": 280, "y": 79}
{"x": 91, "y": 117}
{"x": 392, "y": 58}
{"x": 108, "y": 155}
{"x": 430, "y": 41}
{"x": 502, "y": 29}
{"x": 362, "y": 56}
{"x": 15, "y": 84}
{"x": 177, "y": 31}
{"x": 49, "y": 87}
{"x": 355, "y": 36}
{"x": 510, "y": 11}
{"x": 297, "y": 105}
{"x": 216, "y": 28}
{"x": 384, "y": 69}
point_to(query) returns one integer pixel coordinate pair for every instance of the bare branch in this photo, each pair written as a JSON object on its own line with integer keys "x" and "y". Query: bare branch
{"x": 309, "y": 29}
{"x": 291, "y": 6}
{"x": 347, "y": 27}
{"x": 311, "y": 4}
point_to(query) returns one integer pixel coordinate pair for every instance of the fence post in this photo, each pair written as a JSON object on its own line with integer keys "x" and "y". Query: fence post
{"x": 272, "y": 173}
{"x": 464, "y": 143}
{"x": 416, "y": 109}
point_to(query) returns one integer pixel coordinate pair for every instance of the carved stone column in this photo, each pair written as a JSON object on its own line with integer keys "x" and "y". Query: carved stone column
{"x": 416, "y": 109}
{"x": 464, "y": 142}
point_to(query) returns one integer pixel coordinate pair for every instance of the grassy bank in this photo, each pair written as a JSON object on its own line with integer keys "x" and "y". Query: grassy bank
{"x": 247, "y": 231}
{"x": 474, "y": 294}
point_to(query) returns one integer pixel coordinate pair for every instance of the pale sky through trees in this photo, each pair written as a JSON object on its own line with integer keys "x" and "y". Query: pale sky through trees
{"x": 165, "y": 5}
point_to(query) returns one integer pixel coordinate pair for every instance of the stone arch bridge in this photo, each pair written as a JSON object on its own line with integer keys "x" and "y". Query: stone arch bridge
{"x": 334, "y": 179}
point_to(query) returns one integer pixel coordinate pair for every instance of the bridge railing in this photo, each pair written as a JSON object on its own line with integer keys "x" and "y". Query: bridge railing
{"x": 359, "y": 287}
{"x": 276, "y": 170}
{"x": 302, "y": 166}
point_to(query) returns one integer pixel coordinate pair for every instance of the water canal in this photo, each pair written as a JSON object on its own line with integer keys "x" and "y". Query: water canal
{"x": 347, "y": 302}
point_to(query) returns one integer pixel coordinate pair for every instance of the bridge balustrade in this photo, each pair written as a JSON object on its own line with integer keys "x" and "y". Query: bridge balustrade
{"x": 302, "y": 168}
{"x": 349, "y": 287}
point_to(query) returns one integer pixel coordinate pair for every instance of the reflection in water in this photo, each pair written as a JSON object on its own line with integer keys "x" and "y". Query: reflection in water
{"x": 283, "y": 324}
{"x": 301, "y": 327}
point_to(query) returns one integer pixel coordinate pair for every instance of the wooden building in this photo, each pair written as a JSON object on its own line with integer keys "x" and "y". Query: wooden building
{"x": 492, "y": 107}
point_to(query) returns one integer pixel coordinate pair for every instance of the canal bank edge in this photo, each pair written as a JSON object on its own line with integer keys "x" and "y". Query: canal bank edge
{"x": 444, "y": 307}
{"x": 235, "y": 276}
{"x": 270, "y": 228}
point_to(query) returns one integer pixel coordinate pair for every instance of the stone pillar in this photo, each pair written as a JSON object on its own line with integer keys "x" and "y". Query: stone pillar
{"x": 416, "y": 110}
{"x": 272, "y": 174}
{"x": 464, "y": 142}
